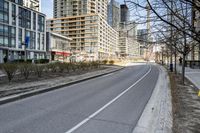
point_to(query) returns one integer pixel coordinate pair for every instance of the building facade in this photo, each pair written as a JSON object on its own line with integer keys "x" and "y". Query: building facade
{"x": 93, "y": 38}
{"x": 65, "y": 8}
{"x": 21, "y": 26}
{"x": 32, "y": 4}
{"x": 124, "y": 15}
{"x": 86, "y": 23}
{"x": 114, "y": 14}
{"x": 142, "y": 37}
{"x": 58, "y": 47}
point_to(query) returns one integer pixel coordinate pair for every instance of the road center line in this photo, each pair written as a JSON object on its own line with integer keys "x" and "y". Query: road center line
{"x": 105, "y": 106}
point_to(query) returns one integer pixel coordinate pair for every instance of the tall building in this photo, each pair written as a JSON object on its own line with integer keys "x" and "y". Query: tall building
{"x": 114, "y": 14}
{"x": 142, "y": 37}
{"x": 65, "y": 8}
{"x": 124, "y": 13}
{"x": 20, "y": 25}
{"x": 20, "y": 2}
{"x": 128, "y": 45}
{"x": 86, "y": 23}
{"x": 32, "y": 4}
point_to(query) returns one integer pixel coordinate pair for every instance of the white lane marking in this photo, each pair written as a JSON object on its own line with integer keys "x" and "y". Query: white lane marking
{"x": 105, "y": 106}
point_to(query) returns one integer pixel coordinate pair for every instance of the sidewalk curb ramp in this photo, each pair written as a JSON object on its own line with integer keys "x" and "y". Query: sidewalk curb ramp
{"x": 12, "y": 98}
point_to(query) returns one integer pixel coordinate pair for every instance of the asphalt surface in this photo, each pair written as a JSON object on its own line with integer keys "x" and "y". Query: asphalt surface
{"x": 78, "y": 108}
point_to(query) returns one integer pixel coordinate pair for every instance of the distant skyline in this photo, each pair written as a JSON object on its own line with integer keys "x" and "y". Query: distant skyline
{"x": 47, "y": 7}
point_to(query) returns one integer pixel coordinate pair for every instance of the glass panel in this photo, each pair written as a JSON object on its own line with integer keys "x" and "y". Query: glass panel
{"x": 5, "y": 41}
{"x": 13, "y": 42}
{"x": 6, "y": 30}
{"x": 1, "y": 16}
{"x": 1, "y": 40}
{"x": 1, "y": 29}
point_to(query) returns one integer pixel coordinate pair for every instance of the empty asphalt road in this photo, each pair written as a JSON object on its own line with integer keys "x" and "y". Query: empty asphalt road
{"x": 108, "y": 104}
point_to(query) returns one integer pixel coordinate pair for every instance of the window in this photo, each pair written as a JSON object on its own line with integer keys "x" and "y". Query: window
{"x": 24, "y": 18}
{"x": 1, "y": 40}
{"x": 13, "y": 14}
{"x": 42, "y": 43}
{"x": 6, "y": 41}
{"x": 20, "y": 38}
{"x": 4, "y": 8}
{"x": 13, "y": 42}
{"x": 41, "y": 21}
{"x": 28, "y": 34}
{"x": 34, "y": 21}
{"x": 6, "y": 32}
{"x": 7, "y": 36}
{"x": 38, "y": 42}
{"x": 32, "y": 40}
{"x": 1, "y": 30}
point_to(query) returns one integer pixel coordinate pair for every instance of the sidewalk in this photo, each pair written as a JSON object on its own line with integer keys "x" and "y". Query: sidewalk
{"x": 191, "y": 74}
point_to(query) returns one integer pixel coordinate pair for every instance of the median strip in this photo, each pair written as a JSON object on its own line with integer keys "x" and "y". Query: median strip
{"x": 12, "y": 98}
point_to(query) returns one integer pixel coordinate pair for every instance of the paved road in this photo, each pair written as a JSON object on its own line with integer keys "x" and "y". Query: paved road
{"x": 109, "y": 104}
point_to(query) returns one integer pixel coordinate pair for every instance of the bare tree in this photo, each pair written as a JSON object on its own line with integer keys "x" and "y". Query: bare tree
{"x": 176, "y": 16}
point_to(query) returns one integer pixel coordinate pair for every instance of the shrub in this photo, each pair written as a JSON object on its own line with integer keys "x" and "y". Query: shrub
{"x": 95, "y": 64}
{"x": 111, "y": 62}
{"x": 52, "y": 67}
{"x": 68, "y": 67}
{"x": 73, "y": 66}
{"x": 42, "y": 61}
{"x": 38, "y": 69}
{"x": 61, "y": 66}
{"x": 83, "y": 65}
{"x": 25, "y": 69}
{"x": 10, "y": 69}
{"x": 105, "y": 62}
{"x": 22, "y": 61}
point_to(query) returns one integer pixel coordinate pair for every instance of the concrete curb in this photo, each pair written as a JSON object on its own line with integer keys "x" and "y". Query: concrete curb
{"x": 40, "y": 91}
{"x": 157, "y": 115}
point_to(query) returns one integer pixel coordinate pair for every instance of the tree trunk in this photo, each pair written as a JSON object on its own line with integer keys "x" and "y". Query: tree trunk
{"x": 175, "y": 56}
{"x": 183, "y": 69}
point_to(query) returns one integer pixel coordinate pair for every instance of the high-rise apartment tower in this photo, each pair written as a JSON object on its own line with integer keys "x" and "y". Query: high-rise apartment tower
{"x": 114, "y": 14}
{"x": 85, "y": 21}
{"x": 32, "y": 4}
{"x": 124, "y": 13}
{"x": 65, "y": 8}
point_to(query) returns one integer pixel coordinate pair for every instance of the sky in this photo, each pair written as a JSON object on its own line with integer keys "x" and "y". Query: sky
{"x": 47, "y": 7}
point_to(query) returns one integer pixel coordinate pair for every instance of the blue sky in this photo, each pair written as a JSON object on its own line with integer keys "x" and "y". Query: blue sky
{"x": 47, "y": 7}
